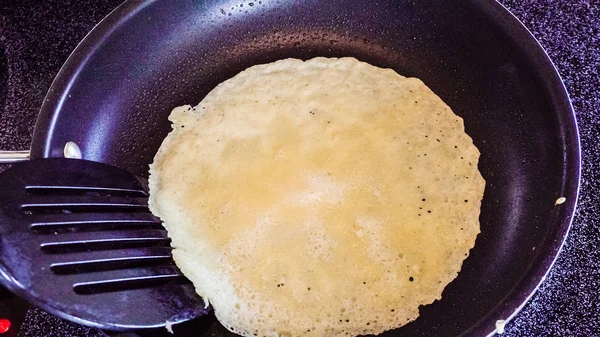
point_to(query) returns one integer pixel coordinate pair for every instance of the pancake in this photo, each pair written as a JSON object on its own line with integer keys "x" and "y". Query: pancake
{"x": 326, "y": 197}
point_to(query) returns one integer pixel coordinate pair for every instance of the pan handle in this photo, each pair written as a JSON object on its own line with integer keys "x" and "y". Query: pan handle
{"x": 11, "y": 157}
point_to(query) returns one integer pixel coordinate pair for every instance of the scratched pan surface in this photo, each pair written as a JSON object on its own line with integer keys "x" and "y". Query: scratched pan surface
{"x": 115, "y": 92}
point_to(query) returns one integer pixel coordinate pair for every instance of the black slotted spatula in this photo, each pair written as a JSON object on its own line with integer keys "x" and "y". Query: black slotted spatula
{"x": 77, "y": 239}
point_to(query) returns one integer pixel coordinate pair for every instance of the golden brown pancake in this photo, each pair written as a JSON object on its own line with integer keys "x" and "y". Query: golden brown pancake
{"x": 318, "y": 198}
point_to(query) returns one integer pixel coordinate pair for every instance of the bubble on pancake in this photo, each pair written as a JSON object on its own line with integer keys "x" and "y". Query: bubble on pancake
{"x": 319, "y": 198}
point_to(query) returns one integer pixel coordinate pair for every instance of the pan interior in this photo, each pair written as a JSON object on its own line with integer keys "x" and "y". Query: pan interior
{"x": 114, "y": 95}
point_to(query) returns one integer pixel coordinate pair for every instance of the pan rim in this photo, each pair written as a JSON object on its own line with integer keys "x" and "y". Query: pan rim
{"x": 529, "y": 286}
{"x": 523, "y": 291}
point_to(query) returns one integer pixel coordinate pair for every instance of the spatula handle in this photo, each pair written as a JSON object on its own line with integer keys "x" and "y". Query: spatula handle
{"x": 10, "y": 157}
{"x": 71, "y": 150}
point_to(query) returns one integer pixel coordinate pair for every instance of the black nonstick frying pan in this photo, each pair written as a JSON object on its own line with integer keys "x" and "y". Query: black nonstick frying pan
{"x": 114, "y": 94}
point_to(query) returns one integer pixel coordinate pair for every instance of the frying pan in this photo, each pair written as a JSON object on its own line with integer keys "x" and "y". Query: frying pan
{"x": 113, "y": 96}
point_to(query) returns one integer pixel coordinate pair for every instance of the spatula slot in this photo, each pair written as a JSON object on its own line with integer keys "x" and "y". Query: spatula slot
{"x": 95, "y": 287}
{"x": 74, "y": 227}
{"x": 48, "y": 190}
{"x": 29, "y": 209}
{"x": 103, "y": 244}
{"x": 83, "y": 204}
{"x": 78, "y": 267}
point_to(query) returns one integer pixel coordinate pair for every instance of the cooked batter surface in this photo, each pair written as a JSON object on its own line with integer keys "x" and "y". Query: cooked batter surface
{"x": 318, "y": 198}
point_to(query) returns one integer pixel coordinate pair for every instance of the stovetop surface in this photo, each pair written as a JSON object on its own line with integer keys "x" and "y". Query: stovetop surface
{"x": 36, "y": 37}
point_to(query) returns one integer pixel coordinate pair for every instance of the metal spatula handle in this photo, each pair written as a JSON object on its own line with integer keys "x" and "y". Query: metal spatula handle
{"x": 71, "y": 150}
{"x": 11, "y": 157}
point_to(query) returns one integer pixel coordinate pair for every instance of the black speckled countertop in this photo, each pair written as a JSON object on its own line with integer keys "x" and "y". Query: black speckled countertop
{"x": 36, "y": 37}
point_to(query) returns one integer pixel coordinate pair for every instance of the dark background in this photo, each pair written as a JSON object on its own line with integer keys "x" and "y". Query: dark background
{"x": 36, "y": 37}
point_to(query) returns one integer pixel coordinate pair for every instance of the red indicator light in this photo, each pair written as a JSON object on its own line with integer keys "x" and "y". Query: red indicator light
{"x": 4, "y": 325}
